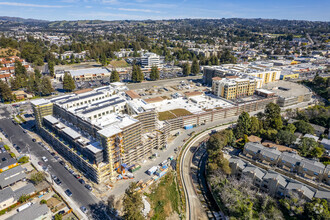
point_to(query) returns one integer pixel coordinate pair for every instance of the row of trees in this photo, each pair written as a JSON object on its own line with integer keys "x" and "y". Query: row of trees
{"x": 269, "y": 126}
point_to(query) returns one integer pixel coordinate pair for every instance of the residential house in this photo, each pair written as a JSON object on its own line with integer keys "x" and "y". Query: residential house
{"x": 11, "y": 176}
{"x": 252, "y": 149}
{"x": 326, "y": 143}
{"x": 237, "y": 166}
{"x": 255, "y": 173}
{"x": 311, "y": 169}
{"x": 274, "y": 183}
{"x": 302, "y": 190}
{"x": 6, "y": 198}
{"x": 288, "y": 161}
{"x": 7, "y": 162}
{"x": 326, "y": 175}
{"x": 35, "y": 211}
{"x": 269, "y": 156}
{"x": 319, "y": 130}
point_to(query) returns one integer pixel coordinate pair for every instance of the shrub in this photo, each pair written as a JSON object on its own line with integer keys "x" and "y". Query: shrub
{"x": 37, "y": 177}
{"x": 24, "y": 159}
{"x": 43, "y": 202}
{"x": 6, "y": 147}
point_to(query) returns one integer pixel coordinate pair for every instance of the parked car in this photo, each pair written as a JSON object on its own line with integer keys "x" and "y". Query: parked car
{"x": 82, "y": 181}
{"x": 58, "y": 181}
{"x": 34, "y": 140}
{"x": 88, "y": 187}
{"x": 24, "y": 131}
{"x": 18, "y": 149}
{"x": 62, "y": 212}
{"x": 44, "y": 159}
{"x": 68, "y": 192}
{"x": 62, "y": 162}
{"x": 83, "y": 209}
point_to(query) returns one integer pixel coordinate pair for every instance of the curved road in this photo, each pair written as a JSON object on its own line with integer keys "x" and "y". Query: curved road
{"x": 194, "y": 208}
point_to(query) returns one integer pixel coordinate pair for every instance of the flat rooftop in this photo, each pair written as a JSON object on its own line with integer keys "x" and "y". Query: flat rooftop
{"x": 81, "y": 72}
{"x": 195, "y": 104}
{"x": 286, "y": 89}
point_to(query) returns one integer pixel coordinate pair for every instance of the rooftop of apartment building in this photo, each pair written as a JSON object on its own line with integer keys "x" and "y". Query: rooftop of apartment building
{"x": 245, "y": 68}
{"x": 194, "y": 104}
{"x": 286, "y": 89}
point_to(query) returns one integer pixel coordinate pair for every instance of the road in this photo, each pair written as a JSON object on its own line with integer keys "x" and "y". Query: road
{"x": 81, "y": 196}
{"x": 194, "y": 208}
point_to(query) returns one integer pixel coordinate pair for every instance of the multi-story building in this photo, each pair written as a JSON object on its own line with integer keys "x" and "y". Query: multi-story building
{"x": 100, "y": 130}
{"x": 266, "y": 72}
{"x": 234, "y": 87}
{"x": 150, "y": 59}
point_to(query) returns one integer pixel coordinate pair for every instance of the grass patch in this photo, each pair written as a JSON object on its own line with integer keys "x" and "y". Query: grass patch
{"x": 164, "y": 198}
{"x": 175, "y": 113}
{"x": 119, "y": 63}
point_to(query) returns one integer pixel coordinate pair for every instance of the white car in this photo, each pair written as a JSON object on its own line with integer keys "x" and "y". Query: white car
{"x": 44, "y": 159}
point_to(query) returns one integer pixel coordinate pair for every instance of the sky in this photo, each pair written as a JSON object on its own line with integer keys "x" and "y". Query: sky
{"x": 316, "y": 10}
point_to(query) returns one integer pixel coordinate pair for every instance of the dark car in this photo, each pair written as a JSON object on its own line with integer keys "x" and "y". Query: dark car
{"x": 34, "y": 140}
{"x": 18, "y": 149}
{"x": 68, "y": 192}
{"x": 62, "y": 162}
{"x": 24, "y": 131}
{"x": 82, "y": 181}
{"x": 88, "y": 187}
{"x": 53, "y": 154}
{"x": 83, "y": 209}
{"x": 58, "y": 181}
{"x": 61, "y": 212}
{"x": 77, "y": 176}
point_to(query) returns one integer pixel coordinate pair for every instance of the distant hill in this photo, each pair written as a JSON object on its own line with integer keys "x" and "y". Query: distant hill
{"x": 21, "y": 20}
{"x": 78, "y": 23}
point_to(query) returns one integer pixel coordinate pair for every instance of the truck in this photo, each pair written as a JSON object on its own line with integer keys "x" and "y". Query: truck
{"x": 163, "y": 163}
{"x": 25, "y": 206}
{"x": 152, "y": 170}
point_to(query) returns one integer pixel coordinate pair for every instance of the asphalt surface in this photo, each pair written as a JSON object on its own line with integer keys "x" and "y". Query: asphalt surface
{"x": 81, "y": 195}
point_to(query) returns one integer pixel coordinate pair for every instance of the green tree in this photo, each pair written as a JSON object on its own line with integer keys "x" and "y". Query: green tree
{"x": 195, "y": 67}
{"x": 43, "y": 201}
{"x": 46, "y": 87}
{"x": 273, "y": 116}
{"x": 186, "y": 69}
{"x": 291, "y": 128}
{"x": 37, "y": 73}
{"x": 58, "y": 216}
{"x": 23, "y": 159}
{"x": 137, "y": 74}
{"x": 5, "y": 92}
{"x": 243, "y": 125}
{"x": 255, "y": 127}
{"x": 114, "y": 76}
{"x": 154, "y": 74}
{"x": 23, "y": 198}
{"x": 37, "y": 177}
{"x": 317, "y": 209}
{"x": 304, "y": 127}
{"x": 286, "y": 137}
{"x": 132, "y": 203}
{"x": 51, "y": 66}
{"x": 20, "y": 70}
{"x": 308, "y": 147}
{"x": 68, "y": 83}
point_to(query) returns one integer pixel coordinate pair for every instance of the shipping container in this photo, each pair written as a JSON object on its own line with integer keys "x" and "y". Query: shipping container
{"x": 152, "y": 170}
{"x": 187, "y": 127}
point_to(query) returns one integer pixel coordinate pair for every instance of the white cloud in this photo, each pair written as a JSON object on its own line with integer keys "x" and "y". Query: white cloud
{"x": 112, "y": 2}
{"x": 138, "y": 10}
{"x": 19, "y": 4}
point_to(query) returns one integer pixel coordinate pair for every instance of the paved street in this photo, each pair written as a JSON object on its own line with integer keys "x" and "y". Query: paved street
{"x": 81, "y": 195}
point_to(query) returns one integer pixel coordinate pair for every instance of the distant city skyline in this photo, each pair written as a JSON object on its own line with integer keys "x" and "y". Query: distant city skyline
{"x": 317, "y": 10}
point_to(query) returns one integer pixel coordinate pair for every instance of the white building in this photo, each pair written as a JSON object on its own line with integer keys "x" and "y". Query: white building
{"x": 150, "y": 59}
